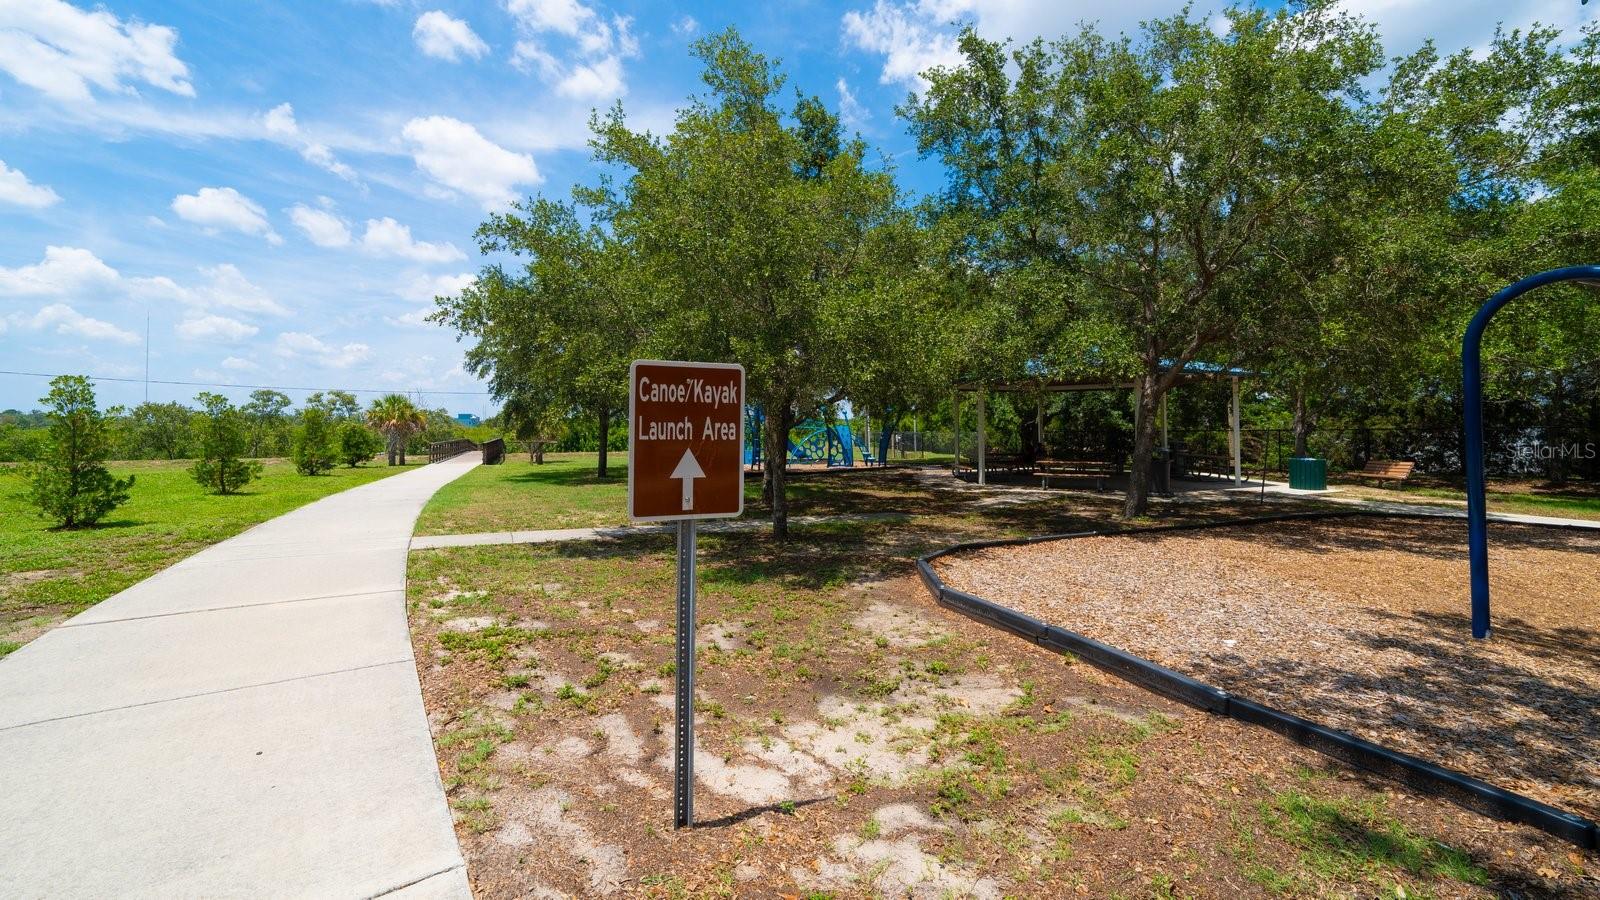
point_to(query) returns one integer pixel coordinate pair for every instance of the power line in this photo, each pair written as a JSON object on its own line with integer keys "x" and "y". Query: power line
{"x": 263, "y": 387}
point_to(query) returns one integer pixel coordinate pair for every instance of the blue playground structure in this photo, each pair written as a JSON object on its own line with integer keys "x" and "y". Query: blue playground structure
{"x": 811, "y": 441}
{"x": 1472, "y": 390}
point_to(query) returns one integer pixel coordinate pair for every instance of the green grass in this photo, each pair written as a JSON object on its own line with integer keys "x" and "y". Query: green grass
{"x": 1533, "y": 504}
{"x": 564, "y": 492}
{"x": 47, "y": 574}
{"x": 1345, "y": 841}
{"x": 1570, "y": 505}
{"x": 518, "y": 495}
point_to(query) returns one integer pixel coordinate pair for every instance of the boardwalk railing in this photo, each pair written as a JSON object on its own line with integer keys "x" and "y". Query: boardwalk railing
{"x": 494, "y": 452}
{"x": 439, "y": 450}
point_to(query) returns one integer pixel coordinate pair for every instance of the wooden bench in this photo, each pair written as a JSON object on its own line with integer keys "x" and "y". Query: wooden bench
{"x": 1393, "y": 470}
{"x": 995, "y": 462}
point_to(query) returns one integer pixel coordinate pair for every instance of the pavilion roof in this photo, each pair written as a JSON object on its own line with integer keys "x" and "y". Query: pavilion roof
{"x": 1192, "y": 371}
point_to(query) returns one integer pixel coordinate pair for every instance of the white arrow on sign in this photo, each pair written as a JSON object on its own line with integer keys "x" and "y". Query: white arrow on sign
{"x": 687, "y": 470}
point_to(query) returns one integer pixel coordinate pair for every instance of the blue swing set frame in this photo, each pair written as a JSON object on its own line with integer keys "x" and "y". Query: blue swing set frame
{"x": 1472, "y": 397}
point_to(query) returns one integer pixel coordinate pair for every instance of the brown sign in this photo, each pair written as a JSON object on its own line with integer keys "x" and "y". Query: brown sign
{"x": 685, "y": 440}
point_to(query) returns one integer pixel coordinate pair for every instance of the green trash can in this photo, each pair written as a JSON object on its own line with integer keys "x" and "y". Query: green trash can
{"x": 1308, "y": 473}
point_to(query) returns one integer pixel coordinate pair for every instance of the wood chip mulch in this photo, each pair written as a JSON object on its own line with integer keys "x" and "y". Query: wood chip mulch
{"x": 1361, "y": 624}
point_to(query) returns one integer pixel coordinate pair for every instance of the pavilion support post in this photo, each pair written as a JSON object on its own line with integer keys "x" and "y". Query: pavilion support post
{"x": 983, "y": 436}
{"x": 955, "y": 416}
{"x": 1038, "y": 426}
{"x": 1165, "y": 444}
{"x": 1236, "y": 447}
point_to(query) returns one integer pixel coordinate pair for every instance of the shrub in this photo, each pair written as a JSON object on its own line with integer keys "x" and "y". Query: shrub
{"x": 20, "y": 444}
{"x": 358, "y": 443}
{"x": 314, "y": 450}
{"x": 69, "y": 483}
{"x": 222, "y": 436}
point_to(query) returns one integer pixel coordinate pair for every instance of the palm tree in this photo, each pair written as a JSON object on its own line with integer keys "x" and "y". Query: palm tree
{"x": 397, "y": 417}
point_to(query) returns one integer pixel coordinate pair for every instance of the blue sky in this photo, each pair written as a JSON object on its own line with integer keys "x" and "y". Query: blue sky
{"x": 281, "y": 188}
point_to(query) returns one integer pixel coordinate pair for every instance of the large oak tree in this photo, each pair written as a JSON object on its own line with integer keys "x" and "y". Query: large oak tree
{"x": 754, "y": 222}
{"x": 1123, "y": 192}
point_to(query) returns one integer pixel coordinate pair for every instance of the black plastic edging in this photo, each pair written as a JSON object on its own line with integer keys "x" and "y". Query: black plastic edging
{"x": 1457, "y": 787}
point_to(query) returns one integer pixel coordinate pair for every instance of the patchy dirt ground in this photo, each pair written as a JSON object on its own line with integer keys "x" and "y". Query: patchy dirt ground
{"x": 1359, "y": 623}
{"x": 855, "y": 740}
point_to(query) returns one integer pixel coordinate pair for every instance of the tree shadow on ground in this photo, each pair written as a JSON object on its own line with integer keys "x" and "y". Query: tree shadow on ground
{"x": 98, "y": 526}
{"x": 1438, "y": 538}
{"x": 567, "y": 477}
{"x": 813, "y": 559}
{"x": 1445, "y": 697}
{"x": 747, "y": 814}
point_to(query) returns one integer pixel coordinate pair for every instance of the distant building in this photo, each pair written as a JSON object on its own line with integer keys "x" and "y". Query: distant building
{"x": 468, "y": 419}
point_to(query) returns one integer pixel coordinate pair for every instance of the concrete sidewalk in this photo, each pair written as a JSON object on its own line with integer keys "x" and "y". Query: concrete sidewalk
{"x": 1278, "y": 490}
{"x": 245, "y": 723}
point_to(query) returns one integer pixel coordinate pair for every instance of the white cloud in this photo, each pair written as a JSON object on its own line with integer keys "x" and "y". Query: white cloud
{"x": 63, "y": 270}
{"x": 599, "y": 80}
{"x": 215, "y": 328}
{"x": 530, "y": 54}
{"x": 235, "y": 364}
{"x": 230, "y": 289}
{"x": 67, "y": 53}
{"x": 591, "y": 69}
{"x": 65, "y": 320}
{"x": 74, "y": 271}
{"x": 386, "y": 237}
{"x": 851, "y": 113}
{"x": 910, "y": 36}
{"x": 225, "y": 288}
{"x": 15, "y": 188}
{"x": 280, "y": 124}
{"x": 417, "y": 318}
{"x": 299, "y": 345}
{"x": 686, "y": 27}
{"x": 383, "y": 237}
{"x": 1404, "y": 24}
{"x": 322, "y": 227}
{"x": 224, "y": 209}
{"x": 424, "y": 288}
{"x": 563, "y": 16}
{"x": 442, "y": 37}
{"x": 915, "y": 35}
{"x": 456, "y": 156}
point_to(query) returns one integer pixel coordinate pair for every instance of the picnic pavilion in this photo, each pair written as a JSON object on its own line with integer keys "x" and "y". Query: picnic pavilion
{"x": 1035, "y": 459}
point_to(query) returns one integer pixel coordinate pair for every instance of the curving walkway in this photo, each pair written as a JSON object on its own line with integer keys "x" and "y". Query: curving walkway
{"x": 245, "y": 723}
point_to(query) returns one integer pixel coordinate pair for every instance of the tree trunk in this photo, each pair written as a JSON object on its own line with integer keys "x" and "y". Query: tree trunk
{"x": 536, "y": 450}
{"x": 605, "y": 434}
{"x": 1303, "y": 422}
{"x": 1137, "y": 499}
{"x": 778, "y": 425}
{"x": 393, "y": 440}
{"x": 766, "y": 461}
{"x": 1560, "y": 470}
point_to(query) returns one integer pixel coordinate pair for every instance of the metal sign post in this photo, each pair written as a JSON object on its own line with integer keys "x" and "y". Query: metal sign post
{"x": 685, "y": 462}
{"x": 683, "y": 733}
